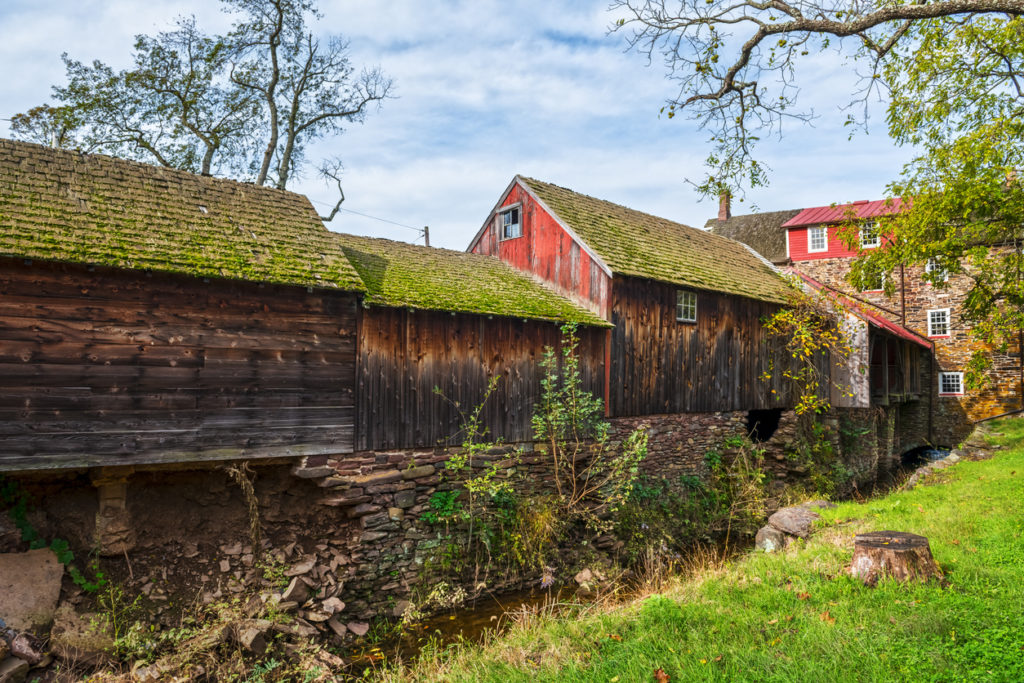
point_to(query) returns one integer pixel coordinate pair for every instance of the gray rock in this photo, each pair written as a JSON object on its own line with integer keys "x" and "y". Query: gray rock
{"x": 297, "y": 591}
{"x": 794, "y": 521}
{"x": 13, "y": 670}
{"x": 769, "y": 539}
{"x": 405, "y": 499}
{"x": 251, "y": 634}
{"x": 29, "y": 589}
{"x": 359, "y": 628}
{"x": 80, "y": 638}
{"x": 418, "y": 472}
{"x": 301, "y": 568}
{"x": 584, "y": 577}
{"x": 313, "y": 472}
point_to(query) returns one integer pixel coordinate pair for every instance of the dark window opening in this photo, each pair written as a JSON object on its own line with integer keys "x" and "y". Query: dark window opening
{"x": 761, "y": 424}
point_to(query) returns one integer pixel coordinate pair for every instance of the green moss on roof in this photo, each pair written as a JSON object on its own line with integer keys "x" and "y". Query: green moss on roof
{"x": 641, "y": 245}
{"x": 404, "y": 275}
{"x": 61, "y": 205}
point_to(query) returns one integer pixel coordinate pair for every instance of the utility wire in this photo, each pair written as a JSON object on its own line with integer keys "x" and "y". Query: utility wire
{"x": 366, "y": 215}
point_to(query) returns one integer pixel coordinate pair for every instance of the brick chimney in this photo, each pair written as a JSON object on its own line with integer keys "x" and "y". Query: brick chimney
{"x": 724, "y": 205}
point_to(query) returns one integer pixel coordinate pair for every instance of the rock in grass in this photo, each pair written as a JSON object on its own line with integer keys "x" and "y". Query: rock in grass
{"x": 769, "y": 539}
{"x": 795, "y": 521}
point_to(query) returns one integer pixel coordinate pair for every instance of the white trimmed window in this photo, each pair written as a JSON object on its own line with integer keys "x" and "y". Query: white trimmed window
{"x": 951, "y": 384}
{"x": 817, "y": 238}
{"x": 686, "y": 306}
{"x": 869, "y": 236}
{"x": 932, "y": 266}
{"x": 876, "y": 283}
{"x": 509, "y": 225}
{"x": 938, "y": 322}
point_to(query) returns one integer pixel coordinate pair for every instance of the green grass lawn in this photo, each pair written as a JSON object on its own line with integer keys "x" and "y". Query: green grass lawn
{"x": 797, "y": 616}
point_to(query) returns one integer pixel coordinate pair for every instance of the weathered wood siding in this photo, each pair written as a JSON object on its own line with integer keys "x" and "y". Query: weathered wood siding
{"x": 110, "y": 367}
{"x": 549, "y": 252}
{"x": 661, "y": 365}
{"x": 404, "y": 354}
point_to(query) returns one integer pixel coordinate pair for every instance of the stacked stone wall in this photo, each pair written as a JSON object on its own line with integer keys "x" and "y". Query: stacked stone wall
{"x": 953, "y": 416}
{"x": 353, "y": 525}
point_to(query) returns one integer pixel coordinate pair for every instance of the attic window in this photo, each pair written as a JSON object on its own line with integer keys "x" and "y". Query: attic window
{"x": 817, "y": 238}
{"x": 869, "y": 236}
{"x": 509, "y": 224}
{"x": 686, "y": 306}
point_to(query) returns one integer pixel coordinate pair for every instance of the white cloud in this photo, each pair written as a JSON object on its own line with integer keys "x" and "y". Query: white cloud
{"x": 486, "y": 89}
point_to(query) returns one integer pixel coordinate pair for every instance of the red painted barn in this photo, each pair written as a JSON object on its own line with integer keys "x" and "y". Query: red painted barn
{"x": 534, "y": 239}
{"x": 686, "y": 305}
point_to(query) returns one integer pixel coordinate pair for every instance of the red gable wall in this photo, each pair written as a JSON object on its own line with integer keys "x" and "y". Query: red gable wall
{"x": 548, "y": 251}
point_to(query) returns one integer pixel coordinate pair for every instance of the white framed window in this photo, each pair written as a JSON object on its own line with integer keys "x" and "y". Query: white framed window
{"x": 817, "y": 238}
{"x": 932, "y": 266}
{"x": 876, "y": 283}
{"x": 951, "y": 384}
{"x": 686, "y": 306}
{"x": 509, "y": 225}
{"x": 938, "y": 322}
{"x": 869, "y": 236}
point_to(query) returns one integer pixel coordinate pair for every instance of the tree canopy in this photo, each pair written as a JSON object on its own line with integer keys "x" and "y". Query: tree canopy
{"x": 951, "y": 73}
{"x": 246, "y": 104}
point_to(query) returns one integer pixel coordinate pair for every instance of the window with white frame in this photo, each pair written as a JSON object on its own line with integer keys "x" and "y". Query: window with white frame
{"x": 509, "y": 225}
{"x": 933, "y": 266}
{"x": 817, "y": 238}
{"x": 686, "y": 306}
{"x": 951, "y": 384}
{"x": 869, "y": 236}
{"x": 875, "y": 282}
{"x": 938, "y": 322}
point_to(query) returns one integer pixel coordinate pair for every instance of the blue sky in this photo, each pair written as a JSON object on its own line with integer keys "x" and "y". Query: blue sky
{"x": 486, "y": 90}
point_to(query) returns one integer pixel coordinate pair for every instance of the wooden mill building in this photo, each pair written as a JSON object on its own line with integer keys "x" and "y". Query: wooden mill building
{"x": 686, "y": 306}
{"x": 153, "y": 316}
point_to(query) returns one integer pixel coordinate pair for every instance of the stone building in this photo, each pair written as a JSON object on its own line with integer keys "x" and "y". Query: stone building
{"x": 812, "y": 247}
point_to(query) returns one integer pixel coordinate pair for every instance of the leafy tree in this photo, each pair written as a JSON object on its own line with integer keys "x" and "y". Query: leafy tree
{"x": 246, "y": 103}
{"x": 953, "y": 74}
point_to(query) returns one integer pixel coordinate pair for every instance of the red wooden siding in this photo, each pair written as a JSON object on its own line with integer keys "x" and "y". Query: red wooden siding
{"x": 549, "y": 252}
{"x": 798, "y": 245}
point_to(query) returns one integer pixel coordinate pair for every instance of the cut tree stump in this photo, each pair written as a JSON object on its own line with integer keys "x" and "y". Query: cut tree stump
{"x": 902, "y": 556}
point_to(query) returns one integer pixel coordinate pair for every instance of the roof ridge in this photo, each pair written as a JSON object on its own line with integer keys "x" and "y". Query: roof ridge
{"x": 80, "y": 154}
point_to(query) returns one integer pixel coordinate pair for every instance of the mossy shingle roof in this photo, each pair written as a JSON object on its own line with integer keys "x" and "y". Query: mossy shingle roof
{"x": 641, "y": 245}
{"x": 763, "y": 232}
{"x": 62, "y": 205}
{"x": 404, "y": 275}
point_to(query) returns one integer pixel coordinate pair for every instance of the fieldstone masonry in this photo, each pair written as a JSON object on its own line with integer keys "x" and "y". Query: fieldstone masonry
{"x": 953, "y": 415}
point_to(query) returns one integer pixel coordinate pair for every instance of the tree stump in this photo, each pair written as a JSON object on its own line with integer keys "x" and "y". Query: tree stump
{"x": 903, "y": 556}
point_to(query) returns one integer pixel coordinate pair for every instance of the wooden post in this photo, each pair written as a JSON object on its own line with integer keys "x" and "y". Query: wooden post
{"x": 903, "y": 556}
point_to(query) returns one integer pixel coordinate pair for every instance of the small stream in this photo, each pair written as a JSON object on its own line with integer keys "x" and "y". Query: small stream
{"x": 490, "y": 614}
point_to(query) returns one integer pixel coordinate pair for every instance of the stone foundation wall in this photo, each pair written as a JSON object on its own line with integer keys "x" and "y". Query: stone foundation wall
{"x": 353, "y": 525}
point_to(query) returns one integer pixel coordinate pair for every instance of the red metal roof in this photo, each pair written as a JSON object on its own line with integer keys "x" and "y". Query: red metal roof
{"x": 865, "y": 313}
{"x": 844, "y": 212}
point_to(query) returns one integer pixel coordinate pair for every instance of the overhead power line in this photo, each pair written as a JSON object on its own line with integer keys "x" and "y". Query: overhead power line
{"x": 424, "y": 232}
